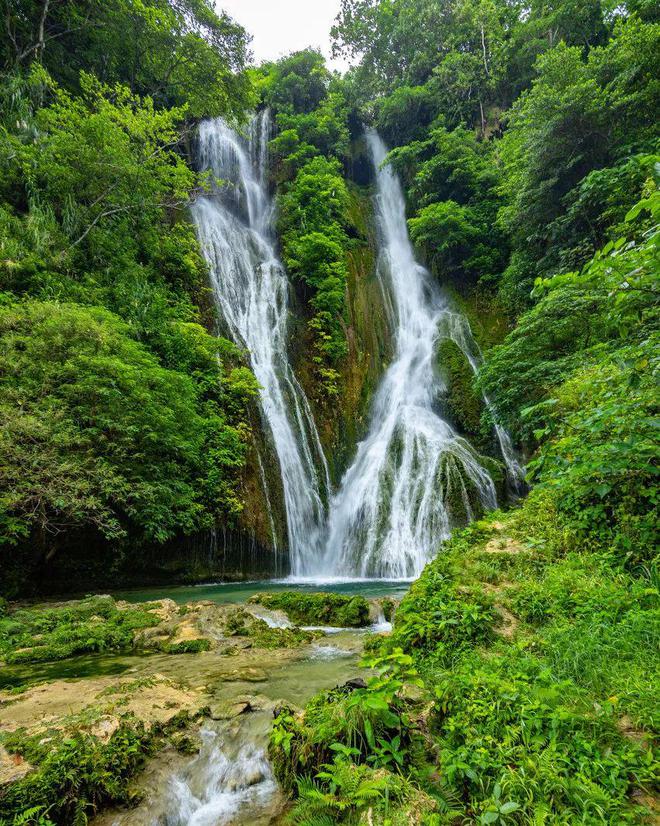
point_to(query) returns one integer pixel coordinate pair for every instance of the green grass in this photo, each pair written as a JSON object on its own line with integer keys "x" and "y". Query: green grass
{"x": 538, "y": 702}
{"x": 35, "y": 635}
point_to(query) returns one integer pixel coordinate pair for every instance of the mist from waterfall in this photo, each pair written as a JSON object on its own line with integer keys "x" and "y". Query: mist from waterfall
{"x": 251, "y": 290}
{"x": 398, "y": 499}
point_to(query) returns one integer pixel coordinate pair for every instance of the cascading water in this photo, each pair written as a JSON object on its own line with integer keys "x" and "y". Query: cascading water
{"x": 235, "y": 227}
{"x": 412, "y": 471}
{"x": 456, "y": 328}
{"x": 218, "y": 788}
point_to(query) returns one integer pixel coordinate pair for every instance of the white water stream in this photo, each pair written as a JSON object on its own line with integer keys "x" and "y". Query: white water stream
{"x": 219, "y": 788}
{"x": 396, "y": 501}
{"x": 235, "y": 227}
{"x": 413, "y": 478}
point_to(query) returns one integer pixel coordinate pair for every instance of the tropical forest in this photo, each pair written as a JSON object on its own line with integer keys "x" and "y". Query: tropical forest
{"x": 329, "y": 413}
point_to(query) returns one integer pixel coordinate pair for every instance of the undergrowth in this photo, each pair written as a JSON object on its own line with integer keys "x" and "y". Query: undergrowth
{"x": 518, "y": 687}
{"x": 73, "y": 775}
{"x": 97, "y": 624}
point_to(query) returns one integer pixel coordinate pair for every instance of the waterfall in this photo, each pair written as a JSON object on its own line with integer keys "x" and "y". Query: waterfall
{"x": 235, "y": 227}
{"x": 456, "y": 328}
{"x": 221, "y": 787}
{"x": 412, "y": 473}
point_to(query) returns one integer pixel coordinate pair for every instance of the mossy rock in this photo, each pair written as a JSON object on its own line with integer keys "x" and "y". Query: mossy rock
{"x": 318, "y": 609}
{"x": 464, "y": 405}
{"x": 188, "y": 646}
{"x": 240, "y": 623}
{"x": 93, "y": 625}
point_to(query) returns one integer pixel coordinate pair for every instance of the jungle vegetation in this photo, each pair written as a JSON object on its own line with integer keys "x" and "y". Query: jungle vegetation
{"x": 519, "y": 684}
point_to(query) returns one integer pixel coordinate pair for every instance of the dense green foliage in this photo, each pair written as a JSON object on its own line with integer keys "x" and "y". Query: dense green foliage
{"x": 526, "y": 136}
{"x": 122, "y": 417}
{"x": 311, "y": 140}
{"x": 97, "y": 432}
{"x": 74, "y": 775}
{"x": 518, "y": 684}
{"x": 317, "y": 609}
{"x": 581, "y": 369}
{"x": 176, "y": 51}
{"x": 517, "y": 687}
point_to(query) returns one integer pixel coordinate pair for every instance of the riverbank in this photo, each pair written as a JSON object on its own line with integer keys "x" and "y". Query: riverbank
{"x": 519, "y": 686}
{"x": 105, "y": 702}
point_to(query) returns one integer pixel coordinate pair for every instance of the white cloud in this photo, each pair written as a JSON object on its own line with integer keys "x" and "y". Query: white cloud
{"x": 279, "y": 27}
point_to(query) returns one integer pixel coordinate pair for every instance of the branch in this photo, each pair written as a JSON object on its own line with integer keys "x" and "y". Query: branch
{"x": 42, "y": 23}
{"x": 129, "y": 208}
{"x": 483, "y": 47}
{"x": 41, "y": 43}
{"x": 105, "y": 214}
{"x": 10, "y": 30}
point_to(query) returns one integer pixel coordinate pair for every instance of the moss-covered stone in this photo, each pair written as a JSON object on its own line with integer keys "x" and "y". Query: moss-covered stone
{"x": 188, "y": 646}
{"x": 34, "y": 635}
{"x": 488, "y": 319}
{"x": 342, "y": 420}
{"x": 318, "y": 609}
{"x": 240, "y": 623}
{"x": 464, "y": 404}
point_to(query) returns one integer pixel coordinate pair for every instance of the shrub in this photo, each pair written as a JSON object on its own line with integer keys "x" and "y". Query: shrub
{"x": 74, "y": 775}
{"x": 439, "y": 618}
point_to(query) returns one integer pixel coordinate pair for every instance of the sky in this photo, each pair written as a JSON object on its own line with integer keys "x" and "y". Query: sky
{"x": 282, "y": 26}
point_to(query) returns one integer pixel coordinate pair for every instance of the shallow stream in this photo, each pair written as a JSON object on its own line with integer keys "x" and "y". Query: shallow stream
{"x": 229, "y": 780}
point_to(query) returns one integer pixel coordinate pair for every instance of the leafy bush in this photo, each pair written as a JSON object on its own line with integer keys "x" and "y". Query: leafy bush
{"x": 580, "y": 373}
{"x": 363, "y": 725}
{"x": 314, "y": 218}
{"x": 74, "y": 775}
{"x": 440, "y": 618}
{"x": 507, "y": 721}
{"x": 97, "y": 433}
{"x": 549, "y": 715}
{"x": 121, "y": 415}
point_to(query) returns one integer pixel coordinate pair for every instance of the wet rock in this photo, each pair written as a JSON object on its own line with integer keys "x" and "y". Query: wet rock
{"x": 184, "y": 743}
{"x": 229, "y": 709}
{"x": 105, "y": 728}
{"x": 251, "y": 777}
{"x": 155, "y": 701}
{"x": 165, "y": 609}
{"x": 13, "y": 767}
{"x": 248, "y": 675}
{"x": 284, "y": 707}
{"x": 356, "y": 682}
{"x": 258, "y": 702}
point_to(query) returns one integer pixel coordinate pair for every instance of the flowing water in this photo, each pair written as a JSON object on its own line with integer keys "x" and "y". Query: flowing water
{"x": 235, "y": 227}
{"x": 413, "y": 477}
{"x": 229, "y": 781}
{"x": 413, "y": 474}
{"x": 456, "y": 327}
